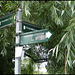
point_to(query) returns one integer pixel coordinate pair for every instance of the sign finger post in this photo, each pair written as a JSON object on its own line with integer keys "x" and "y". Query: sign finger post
{"x": 31, "y": 34}
{"x": 38, "y": 36}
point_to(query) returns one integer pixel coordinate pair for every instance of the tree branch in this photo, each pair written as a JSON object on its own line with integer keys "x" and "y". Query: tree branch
{"x": 37, "y": 60}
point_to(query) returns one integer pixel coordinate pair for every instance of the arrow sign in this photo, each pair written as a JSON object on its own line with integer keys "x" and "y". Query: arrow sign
{"x": 27, "y": 27}
{"x": 6, "y": 20}
{"x": 35, "y": 37}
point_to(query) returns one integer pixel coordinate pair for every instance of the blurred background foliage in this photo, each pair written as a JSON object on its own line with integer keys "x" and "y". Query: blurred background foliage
{"x": 59, "y": 18}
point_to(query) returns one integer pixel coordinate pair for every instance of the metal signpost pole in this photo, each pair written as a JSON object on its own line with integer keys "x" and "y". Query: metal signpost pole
{"x": 17, "y": 47}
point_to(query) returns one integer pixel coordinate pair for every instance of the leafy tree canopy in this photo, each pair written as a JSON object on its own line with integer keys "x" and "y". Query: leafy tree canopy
{"x": 59, "y": 18}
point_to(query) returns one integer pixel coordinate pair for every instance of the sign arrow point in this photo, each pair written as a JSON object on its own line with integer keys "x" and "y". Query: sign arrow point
{"x": 48, "y": 34}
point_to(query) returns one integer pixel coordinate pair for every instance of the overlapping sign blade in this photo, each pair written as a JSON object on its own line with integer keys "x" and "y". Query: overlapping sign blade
{"x": 7, "y": 20}
{"x": 27, "y": 27}
{"x": 35, "y": 36}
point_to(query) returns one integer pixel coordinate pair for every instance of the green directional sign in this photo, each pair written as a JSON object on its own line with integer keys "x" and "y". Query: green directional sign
{"x": 6, "y": 20}
{"x": 27, "y": 27}
{"x": 35, "y": 36}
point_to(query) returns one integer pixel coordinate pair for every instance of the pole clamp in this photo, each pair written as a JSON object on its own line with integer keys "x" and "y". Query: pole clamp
{"x": 19, "y": 21}
{"x": 18, "y": 44}
{"x": 17, "y": 34}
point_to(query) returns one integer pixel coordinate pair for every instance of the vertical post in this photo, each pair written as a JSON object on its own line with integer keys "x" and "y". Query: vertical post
{"x": 18, "y": 31}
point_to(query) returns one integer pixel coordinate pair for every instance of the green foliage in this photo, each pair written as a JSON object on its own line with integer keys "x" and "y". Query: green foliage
{"x": 7, "y": 40}
{"x": 7, "y": 50}
{"x": 59, "y": 18}
{"x": 27, "y": 66}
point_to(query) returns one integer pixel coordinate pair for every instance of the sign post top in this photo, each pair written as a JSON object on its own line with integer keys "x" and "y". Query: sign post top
{"x": 19, "y": 9}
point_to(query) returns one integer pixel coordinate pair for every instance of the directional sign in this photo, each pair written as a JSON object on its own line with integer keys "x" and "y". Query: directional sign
{"x": 6, "y": 20}
{"x": 35, "y": 36}
{"x": 27, "y": 27}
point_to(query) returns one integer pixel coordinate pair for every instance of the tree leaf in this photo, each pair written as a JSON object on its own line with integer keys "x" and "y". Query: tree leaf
{"x": 64, "y": 36}
{"x": 73, "y": 54}
{"x": 59, "y": 57}
{"x": 62, "y": 12}
{"x": 57, "y": 50}
{"x": 68, "y": 62}
{"x": 54, "y": 51}
{"x": 68, "y": 51}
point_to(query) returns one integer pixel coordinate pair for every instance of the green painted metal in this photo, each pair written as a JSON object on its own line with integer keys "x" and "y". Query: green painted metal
{"x": 27, "y": 27}
{"x": 6, "y": 20}
{"x": 38, "y": 36}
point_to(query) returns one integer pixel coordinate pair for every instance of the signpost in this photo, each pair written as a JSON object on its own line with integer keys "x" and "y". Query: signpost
{"x": 27, "y": 27}
{"x": 31, "y": 34}
{"x": 18, "y": 30}
{"x": 35, "y": 36}
{"x": 6, "y": 20}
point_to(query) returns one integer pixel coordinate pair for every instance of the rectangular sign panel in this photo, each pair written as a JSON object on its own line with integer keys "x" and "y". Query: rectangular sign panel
{"x": 6, "y": 20}
{"x": 35, "y": 36}
{"x": 27, "y": 27}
